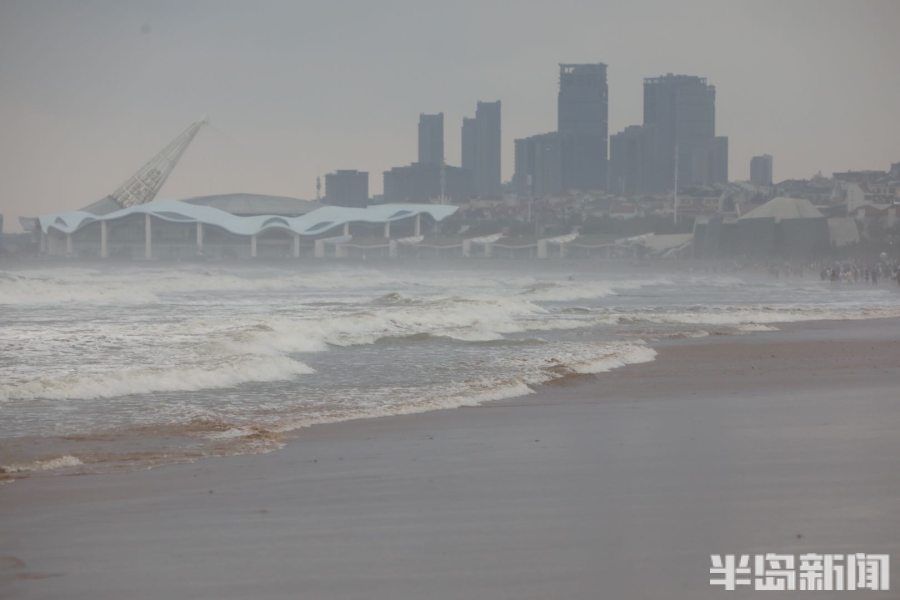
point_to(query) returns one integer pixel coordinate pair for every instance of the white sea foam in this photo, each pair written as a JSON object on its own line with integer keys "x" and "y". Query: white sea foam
{"x": 759, "y": 315}
{"x": 755, "y": 327}
{"x": 50, "y": 464}
{"x": 514, "y": 377}
{"x": 466, "y": 320}
{"x": 617, "y": 356}
{"x": 72, "y": 339}
{"x": 569, "y": 290}
{"x": 146, "y": 380}
{"x": 527, "y": 375}
{"x": 148, "y": 285}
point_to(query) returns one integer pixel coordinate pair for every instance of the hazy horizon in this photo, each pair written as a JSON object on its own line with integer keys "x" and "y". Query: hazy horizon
{"x": 90, "y": 90}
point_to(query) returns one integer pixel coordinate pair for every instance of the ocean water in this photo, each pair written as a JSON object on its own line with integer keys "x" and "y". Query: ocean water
{"x": 133, "y": 366}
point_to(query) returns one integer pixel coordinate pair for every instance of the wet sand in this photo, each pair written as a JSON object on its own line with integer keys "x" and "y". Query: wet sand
{"x": 615, "y": 486}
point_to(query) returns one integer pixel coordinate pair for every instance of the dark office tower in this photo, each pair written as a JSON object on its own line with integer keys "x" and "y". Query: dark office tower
{"x": 538, "y": 166}
{"x": 420, "y": 182}
{"x": 582, "y": 124}
{"x": 630, "y": 156}
{"x": 481, "y": 148}
{"x": 718, "y": 160}
{"x": 710, "y": 162}
{"x": 681, "y": 108}
{"x": 761, "y": 170}
{"x": 468, "y": 151}
{"x": 523, "y": 161}
{"x": 487, "y": 149}
{"x": 347, "y": 188}
{"x": 431, "y": 139}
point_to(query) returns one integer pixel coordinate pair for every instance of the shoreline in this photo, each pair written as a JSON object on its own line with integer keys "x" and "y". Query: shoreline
{"x": 94, "y": 460}
{"x": 263, "y": 441}
{"x": 635, "y": 457}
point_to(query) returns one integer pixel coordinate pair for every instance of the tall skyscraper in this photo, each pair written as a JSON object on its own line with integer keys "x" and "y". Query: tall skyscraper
{"x": 682, "y": 111}
{"x": 538, "y": 165}
{"x": 469, "y": 143}
{"x": 761, "y": 170}
{"x": 481, "y": 148}
{"x": 630, "y": 156}
{"x": 431, "y": 139}
{"x": 582, "y": 124}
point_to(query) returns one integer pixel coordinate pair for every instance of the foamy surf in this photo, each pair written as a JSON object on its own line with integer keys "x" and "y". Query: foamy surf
{"x": 48, "y": 464}
{"x": 144, "y": 381}
{"x": 163, "y": 365}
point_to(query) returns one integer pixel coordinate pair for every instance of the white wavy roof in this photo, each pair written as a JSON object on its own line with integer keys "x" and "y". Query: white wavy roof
{"x": 313, "y": 223}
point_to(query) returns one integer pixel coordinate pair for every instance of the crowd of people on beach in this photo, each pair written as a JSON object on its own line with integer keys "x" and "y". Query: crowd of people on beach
{"x": 844, "y": 272}
{"x": 852, "y": 272}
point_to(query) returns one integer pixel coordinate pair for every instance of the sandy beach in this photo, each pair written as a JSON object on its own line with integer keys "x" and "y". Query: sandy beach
{"x": 611, "y": 486}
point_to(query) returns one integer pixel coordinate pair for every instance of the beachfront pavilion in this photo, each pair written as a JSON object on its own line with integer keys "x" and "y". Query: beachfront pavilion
{"x": 783, "y": 227}
{"x": 180, "y": 230}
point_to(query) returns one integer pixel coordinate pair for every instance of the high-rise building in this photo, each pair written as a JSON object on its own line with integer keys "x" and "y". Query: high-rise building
{"x": 709, "y": 162}
{"x": 718, "y": 159}
{"x": 487, "y": 149}
{"x": 469, "y": 143}
{"x": 538, "y": 163}
{"x": 347, "y": 188}
{"x": 481, "y": 148}
{"x": 431, "y": 139}
{"x": 630, "y": 158}
{"x": 681, "y": 109}
{"x": 582, "y": 124}
{"x": 420, "y": 182}
{"x": 761, "y": 170}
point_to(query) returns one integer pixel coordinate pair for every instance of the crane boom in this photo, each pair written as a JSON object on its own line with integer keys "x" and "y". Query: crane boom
{"x": 143, "y": 186}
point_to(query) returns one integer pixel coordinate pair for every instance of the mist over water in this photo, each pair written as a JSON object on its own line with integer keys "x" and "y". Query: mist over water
{"x": 135, "y": 365}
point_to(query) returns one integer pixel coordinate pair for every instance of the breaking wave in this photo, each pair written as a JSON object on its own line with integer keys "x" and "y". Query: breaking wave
{"x": 146, "y": 380}
{"x": 48, "y": 464}
{"x": 570, "y": 290}
{"x": 750, "y": 316}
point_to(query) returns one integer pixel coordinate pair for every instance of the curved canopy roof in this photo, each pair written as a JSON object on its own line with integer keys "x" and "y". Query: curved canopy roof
{"x": 255, "y": 204}
{"x": 313, "y": 223}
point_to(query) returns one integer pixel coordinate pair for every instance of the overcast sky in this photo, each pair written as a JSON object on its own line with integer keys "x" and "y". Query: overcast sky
{"x": 90, "y": 90}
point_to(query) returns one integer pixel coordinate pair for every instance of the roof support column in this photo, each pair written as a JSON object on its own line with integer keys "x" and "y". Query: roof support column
{"x": 199, "y": 238}
{"x": 347, "y": 228}
{"x": 253, "y": 246}
{"x": 104, "y": 244}
{"x": 148, "y": 237}
{"x": 387, "y": 229}
{"x": 418, "y": 225}
{"x": 68, "y": 244}
{"x": 296, "y": 245}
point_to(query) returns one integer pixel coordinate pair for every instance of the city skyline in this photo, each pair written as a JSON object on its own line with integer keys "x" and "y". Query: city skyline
{"x": 83, "y": 128}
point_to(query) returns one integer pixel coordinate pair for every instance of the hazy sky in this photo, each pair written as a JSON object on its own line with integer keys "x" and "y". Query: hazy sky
{"x": 90, "y": 90}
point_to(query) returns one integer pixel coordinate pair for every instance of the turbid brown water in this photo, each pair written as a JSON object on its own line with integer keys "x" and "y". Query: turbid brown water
{"x": 615, "y": 486}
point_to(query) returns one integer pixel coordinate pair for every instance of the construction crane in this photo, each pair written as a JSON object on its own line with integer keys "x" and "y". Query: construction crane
{"x": 143, "y": 186}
